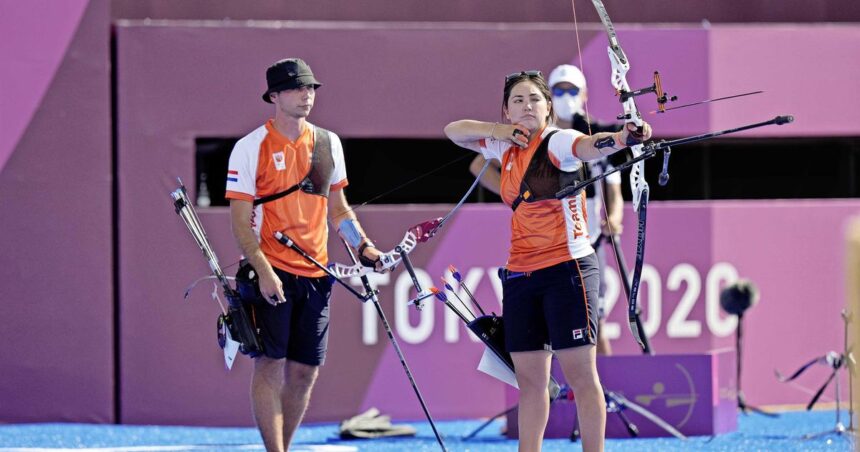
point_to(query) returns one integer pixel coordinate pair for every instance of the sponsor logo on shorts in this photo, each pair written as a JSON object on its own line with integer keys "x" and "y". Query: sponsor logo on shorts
{"x": 578, "y": 334}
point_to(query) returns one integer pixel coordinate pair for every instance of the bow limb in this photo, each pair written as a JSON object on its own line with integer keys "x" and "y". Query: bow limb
{"x": 639, "y": 187}
{"x": 620, "y": 66}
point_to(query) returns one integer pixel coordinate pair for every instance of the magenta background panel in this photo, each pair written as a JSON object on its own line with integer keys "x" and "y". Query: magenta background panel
{"x": 802, "y": 69}
{"x": 55, "y": 233}
{"x": 31, "y": 59}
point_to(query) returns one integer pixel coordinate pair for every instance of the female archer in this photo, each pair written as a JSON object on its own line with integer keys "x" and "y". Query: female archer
{"x": 551, "y": 278}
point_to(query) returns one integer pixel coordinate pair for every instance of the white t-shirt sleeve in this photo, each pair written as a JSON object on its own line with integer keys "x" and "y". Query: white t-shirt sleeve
{"x": 494, "y": 149}
{"x": 242, "y": 168}
{"x": 339, "y": 173}
{"x": 561, "y": 151}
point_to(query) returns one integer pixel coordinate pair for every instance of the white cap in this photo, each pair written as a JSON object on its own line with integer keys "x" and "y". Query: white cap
{"x": 567, "y": 73}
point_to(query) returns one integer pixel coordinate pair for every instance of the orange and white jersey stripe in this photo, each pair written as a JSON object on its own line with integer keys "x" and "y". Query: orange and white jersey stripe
{"x": 265, "y": 162}
{"x": 543, "y": 233}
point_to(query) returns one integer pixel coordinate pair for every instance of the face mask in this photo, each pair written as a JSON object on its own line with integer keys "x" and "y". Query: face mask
{"x": 566, "y": 106}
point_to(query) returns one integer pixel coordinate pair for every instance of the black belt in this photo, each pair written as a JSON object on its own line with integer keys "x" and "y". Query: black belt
{"x": 505, "y": 274}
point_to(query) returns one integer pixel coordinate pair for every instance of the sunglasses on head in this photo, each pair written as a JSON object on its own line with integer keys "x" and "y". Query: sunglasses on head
{"x": 559, "y": 91}
{"x": 520, "y": 74}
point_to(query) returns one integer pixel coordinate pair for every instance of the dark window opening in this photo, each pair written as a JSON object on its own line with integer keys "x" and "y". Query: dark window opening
{"x": 771, "y": 168}
{"x": 210, "y": 183}
{"x": 403, "y": 171}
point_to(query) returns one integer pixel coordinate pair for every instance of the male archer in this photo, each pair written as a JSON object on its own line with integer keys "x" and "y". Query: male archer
{"x": 289, "y": 175}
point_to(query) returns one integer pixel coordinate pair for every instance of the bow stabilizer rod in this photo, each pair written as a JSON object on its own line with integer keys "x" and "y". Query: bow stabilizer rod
{"x": 365, "y": 281}
{"x": 650, "y": 150}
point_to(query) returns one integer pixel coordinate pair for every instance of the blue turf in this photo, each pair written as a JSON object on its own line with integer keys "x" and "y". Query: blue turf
{"x": 755, "y": 433}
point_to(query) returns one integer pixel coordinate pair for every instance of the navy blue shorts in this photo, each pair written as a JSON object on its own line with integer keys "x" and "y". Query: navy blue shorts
{"x": 298, "y": 329}
{"x": 552, "y": 307}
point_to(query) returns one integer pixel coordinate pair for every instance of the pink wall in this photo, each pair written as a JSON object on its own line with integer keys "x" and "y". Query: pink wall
{"x": 55, "y": 235}
{"x": 803, "y": 71}
{"x": 417, "y": 78}
{"x": 410, "y": 81}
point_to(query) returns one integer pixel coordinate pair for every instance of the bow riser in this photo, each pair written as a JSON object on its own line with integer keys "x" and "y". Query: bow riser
{"x": 388, "y": 260}
{"x": 638, "y": 184}
{"x": 620, "y": 67}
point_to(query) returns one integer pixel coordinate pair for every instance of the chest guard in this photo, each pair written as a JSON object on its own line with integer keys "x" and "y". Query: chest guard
{"x": 542, "y": 180}
{"x": 318, "y": 179}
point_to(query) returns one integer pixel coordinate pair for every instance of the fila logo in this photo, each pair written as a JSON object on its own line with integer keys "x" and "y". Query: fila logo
{"x": 577, "y": 334}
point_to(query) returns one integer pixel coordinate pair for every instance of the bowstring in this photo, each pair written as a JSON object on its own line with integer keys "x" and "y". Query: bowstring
{"x": 590, "y": 132}
{"x": 408, "y": 182}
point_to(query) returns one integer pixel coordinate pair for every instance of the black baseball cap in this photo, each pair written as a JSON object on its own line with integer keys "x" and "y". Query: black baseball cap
{"x": 289, "y": 73}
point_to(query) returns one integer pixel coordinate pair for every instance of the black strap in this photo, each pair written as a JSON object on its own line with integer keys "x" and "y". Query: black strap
{"x": 540, "y": 152}
{"x": 278, "y": 195}
{"x": 318, "y": 179}
{"x": 321, "y": 145}
{"x": 559, "y": 178}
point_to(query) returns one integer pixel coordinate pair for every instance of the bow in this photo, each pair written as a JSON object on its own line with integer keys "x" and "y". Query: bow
{"x": 639, "y": 186}
{"x": 419, "y": 233}
{"x": 641, "y": 152}
{"x": 234, "y": 323}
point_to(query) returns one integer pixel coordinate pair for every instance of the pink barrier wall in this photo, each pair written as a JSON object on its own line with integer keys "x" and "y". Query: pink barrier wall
{"x": 694, "y": 249}
{"x": 55, "y": 235}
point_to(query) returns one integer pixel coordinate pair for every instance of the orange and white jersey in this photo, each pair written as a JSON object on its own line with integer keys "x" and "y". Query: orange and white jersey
{"x": 543, "y": 233}
{"x": 265, "y": 162}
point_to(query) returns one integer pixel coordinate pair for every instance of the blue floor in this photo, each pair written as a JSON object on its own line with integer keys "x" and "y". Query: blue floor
{"x": 755, "y": 433}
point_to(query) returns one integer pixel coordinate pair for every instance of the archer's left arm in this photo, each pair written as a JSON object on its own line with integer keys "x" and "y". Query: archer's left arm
{"x": 339, "y": 212}
{"x": 603, "y": 144}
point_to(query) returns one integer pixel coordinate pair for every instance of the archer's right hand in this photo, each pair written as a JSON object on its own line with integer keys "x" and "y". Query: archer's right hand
{"x": 512, "y": 133}
{"x": 272, "y": 288}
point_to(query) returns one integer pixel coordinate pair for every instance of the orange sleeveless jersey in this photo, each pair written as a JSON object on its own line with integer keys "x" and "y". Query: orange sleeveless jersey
{"x": 549, "y": 232}
{"x": 265, "y": 162}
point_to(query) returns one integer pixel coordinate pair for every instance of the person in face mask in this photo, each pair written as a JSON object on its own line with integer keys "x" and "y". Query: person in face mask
{"x": 569, "y": 94}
